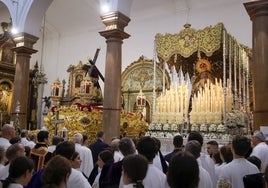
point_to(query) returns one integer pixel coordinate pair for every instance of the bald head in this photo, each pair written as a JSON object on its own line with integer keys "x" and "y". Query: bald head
{"x": 78, "y": 138}
{"x": 115, "y": 143}
{"x": 8, "y": 131}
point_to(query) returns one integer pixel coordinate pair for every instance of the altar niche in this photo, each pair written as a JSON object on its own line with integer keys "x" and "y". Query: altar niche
{"x": 7, "y": 72}
{"x": 139, "y": 76}
{"x": 5, "y": 99}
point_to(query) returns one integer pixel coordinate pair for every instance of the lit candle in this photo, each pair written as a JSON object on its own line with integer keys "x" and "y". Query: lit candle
{"x": 181, "y": 100}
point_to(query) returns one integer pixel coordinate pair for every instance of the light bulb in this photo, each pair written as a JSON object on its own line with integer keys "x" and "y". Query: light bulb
{"x": 14, "y": 30}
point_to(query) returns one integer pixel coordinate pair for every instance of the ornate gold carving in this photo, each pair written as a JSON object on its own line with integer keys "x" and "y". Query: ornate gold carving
{"x": 88, "y": 122}
{"x": 210, "y": 39}
{"x": 189, "y": 41}
{"x": 142, "y": 77}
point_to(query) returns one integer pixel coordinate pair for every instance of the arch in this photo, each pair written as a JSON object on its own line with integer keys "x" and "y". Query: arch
{"x": 27, "y": 15}
{"x": 35, "y": 15}
{"x": 139, "y": 75}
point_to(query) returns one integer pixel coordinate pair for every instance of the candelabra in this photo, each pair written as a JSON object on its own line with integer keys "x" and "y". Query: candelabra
{"x": 17, "y": 120}
{"x": 64, "y": 133}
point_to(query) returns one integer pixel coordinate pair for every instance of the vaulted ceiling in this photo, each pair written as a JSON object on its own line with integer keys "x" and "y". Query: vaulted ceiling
{"x": 64, "y": 16}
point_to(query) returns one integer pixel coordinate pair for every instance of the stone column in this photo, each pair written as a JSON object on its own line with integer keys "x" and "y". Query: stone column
{"x": 114, "y": 34}
{"x": 24, "y": 50}
{"x": 258, "y": 12}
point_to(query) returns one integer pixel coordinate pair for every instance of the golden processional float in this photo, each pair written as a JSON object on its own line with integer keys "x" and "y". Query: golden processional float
{"x": 210, "y": 88}
{"x": 79, "y": 109}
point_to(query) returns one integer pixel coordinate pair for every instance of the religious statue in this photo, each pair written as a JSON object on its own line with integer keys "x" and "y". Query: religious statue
{"x": 83, "y": 84}
{"x": 203, "y": 67}
{"x": 4, "y": 97}
{"x": 47, "y": 102}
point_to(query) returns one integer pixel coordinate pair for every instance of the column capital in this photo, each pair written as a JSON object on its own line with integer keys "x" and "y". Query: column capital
{"x": 23, "y": 49}
{"x": 115, "y": 20}
{"x": 257, "y": 8}
{"x": 115, "y": 23}
{"x": 24, "y": 40}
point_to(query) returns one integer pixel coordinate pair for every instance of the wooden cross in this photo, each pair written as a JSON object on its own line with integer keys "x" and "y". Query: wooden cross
{"x": 92, "y": 66}
{"x": 56, "y": 121}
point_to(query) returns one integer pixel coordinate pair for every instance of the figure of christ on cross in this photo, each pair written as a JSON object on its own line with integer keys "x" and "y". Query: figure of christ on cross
{"x": 56, "y": 121}
{"x": 91, "y": 67}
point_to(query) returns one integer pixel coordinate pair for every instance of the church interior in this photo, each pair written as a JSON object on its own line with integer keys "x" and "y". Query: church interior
{"x": 155, "y": 67}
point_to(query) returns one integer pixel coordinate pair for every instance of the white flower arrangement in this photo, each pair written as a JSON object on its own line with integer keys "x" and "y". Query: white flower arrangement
{"x": 174, "y": 127}
{"x": 166, "y": 127}
{"x": 212, "y": 128}
{"x": 158, "y": 127}
{"x": 235, "y": 119}
{"x": 203, "y": 127}
{"x": 151, "y": 126}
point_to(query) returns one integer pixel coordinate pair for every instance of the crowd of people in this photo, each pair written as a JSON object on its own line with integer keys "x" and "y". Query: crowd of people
{"x": 30, "y": 161}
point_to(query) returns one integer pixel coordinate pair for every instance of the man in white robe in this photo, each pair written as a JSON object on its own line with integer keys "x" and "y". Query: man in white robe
{"x": 194, "y": 148}
{"x": 8, "y": 132}
{"x": 76, "y": 179}
{"x": 232, "y": 173}
{"x": 114, "y": 146}
{"x": 260, "y": 148}
{"x": 155, "y": 178}
{"x": 85, "y": 155}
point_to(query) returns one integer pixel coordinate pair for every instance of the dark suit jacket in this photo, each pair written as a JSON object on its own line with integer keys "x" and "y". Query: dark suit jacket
{"x": 96, "y": 147}
{"x": 170, "y": 155}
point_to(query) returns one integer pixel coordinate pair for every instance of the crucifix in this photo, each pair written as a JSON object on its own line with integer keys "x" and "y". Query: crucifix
{"x": 91, "y": 68}
{"x": 56, "y": 121}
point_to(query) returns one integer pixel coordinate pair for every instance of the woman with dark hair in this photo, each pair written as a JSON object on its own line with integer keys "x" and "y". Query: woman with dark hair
{"x": 20, "y": 173}
{"x": 76, "y": 160}
{"x": 104, "y": 157}
{"x": 134, "y": 170}
{"x": 183, "y": 171}
{"x": 56, "y": 173}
